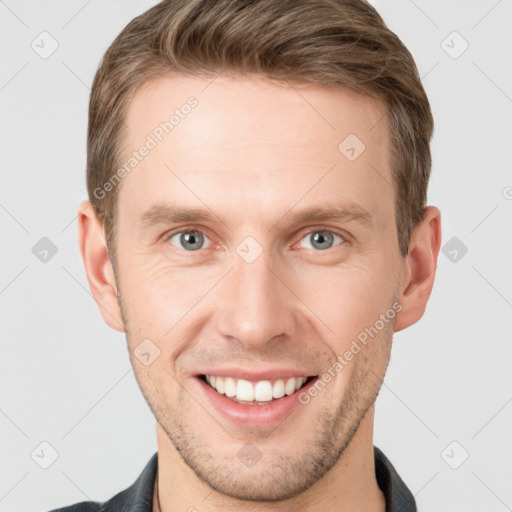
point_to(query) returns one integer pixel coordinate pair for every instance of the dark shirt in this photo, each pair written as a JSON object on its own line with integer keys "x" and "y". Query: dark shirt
{"x": 139, "y": 496}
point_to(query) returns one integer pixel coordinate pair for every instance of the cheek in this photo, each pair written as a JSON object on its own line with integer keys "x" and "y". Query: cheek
{"x": 155, "y": 291}
{"x": 162, "y": 303}
{"x": 346, "y": 298}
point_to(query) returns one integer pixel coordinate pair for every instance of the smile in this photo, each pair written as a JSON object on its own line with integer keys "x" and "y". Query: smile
{"x": 260, "y": 392}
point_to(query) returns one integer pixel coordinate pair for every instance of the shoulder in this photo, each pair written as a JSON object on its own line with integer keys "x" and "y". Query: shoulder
{"x": 136, "y": 498}
{"x": 397, "y": 494}
{"x": 84, "y": 506}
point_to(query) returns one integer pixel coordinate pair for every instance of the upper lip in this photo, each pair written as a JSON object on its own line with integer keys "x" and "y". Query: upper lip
{"x": 269, "y": 374}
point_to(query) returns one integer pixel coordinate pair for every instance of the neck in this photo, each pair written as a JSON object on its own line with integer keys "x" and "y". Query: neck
{"x": 349, "y": 485}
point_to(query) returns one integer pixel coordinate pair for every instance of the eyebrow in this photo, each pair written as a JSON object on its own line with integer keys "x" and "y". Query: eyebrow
{"x": 160, "y": 214}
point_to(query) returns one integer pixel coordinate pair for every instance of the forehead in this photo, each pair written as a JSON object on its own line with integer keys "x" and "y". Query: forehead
{"x": 231, "y": 108}
{"x": 251, "y": 144}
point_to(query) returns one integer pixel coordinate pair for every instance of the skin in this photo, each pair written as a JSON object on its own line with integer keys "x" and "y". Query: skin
{"x": 254, "y": 153}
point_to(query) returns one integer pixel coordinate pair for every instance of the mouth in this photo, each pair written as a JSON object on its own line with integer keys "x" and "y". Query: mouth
{"x": 260, "y": 393}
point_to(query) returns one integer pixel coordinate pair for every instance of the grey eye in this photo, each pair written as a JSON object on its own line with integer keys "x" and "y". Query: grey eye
{"x": 321, "y": 240}
{"x": 191, "y": 240}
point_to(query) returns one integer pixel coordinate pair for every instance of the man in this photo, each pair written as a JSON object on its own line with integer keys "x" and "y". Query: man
{"x": 257, "y": 226}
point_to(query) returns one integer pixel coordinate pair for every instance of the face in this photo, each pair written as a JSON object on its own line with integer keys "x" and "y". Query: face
{"x": 227, "y": 267}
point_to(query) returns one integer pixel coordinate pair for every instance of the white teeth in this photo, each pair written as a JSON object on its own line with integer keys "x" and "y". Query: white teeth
{"x": 299, "y": 382}
{"x": 219, "y": 385}
{"x": 244, "y": 390}
{"x": 229, "y": 387}
{"x": 278, "y": 391}
{"x": 261, "y": 391}
{"x": 289, "y": 387}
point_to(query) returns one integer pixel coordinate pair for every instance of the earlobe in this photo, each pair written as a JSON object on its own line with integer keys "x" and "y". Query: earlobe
{"x": 98, "y": 266}
{"x": 419, "y": 269}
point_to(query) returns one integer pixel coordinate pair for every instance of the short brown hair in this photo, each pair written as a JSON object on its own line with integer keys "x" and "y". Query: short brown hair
{"x": 330, "y": 43}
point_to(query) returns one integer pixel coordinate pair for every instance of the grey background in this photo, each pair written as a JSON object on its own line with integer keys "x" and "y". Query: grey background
{"x": 65, "y": 376}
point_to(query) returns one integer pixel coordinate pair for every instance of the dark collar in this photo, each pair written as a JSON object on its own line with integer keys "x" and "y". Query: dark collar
{"x": 139, "y": 496}
{"x": 398, "y": 497}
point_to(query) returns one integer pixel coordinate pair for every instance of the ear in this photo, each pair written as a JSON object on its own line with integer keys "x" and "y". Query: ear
{"x": 419, "y": 269}
{"x": 98, "y": 266}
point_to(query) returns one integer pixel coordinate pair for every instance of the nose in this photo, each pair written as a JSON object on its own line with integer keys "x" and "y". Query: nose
{"x": 256, "y": 306}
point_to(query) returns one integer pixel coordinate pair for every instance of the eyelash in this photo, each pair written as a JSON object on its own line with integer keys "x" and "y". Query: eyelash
{"x": 186, "y": 229}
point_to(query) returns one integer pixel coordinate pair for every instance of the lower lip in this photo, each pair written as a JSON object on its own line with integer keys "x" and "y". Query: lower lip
{"x": 256, "y": 415}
